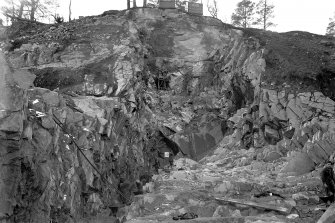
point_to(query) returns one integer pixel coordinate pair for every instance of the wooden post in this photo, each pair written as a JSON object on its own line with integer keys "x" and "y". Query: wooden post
{"x": 128, "y": 4}
{"x": 144, "y": 3}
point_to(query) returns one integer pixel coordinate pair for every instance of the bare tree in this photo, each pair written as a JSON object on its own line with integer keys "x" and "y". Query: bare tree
{"x": 264, "y": 12}
{"x": 134, "y": 4}
{"x": 144, "y": 3}
{"x": 212, "y": 7}
{"x": 128, "y": 4}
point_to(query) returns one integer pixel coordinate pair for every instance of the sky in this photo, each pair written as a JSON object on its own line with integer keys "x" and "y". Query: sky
{"x": 290, "y": 15}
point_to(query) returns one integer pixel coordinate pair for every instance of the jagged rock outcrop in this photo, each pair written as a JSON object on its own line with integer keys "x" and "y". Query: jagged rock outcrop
{"x": 131, "y": 85}
{"x": 44, "y": 175}
{"x": 192, "y": 66}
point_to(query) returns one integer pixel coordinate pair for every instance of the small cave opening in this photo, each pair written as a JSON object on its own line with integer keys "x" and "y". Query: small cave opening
{"x": 326, "y": 83}
{"x": 241, "y": 92}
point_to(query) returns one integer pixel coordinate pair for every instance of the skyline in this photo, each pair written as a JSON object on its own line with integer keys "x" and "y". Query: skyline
{"x": 290, "y": 15}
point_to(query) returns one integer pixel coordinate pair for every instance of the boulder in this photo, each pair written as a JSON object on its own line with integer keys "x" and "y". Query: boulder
{"x": 225, "y": 187}
{"x": 186, "y": 164}
{"x": 221, "y": 211}
{"x": 298, "y": 164}
{"x": 197, "y": 144}
{"x": 271, "y": 156}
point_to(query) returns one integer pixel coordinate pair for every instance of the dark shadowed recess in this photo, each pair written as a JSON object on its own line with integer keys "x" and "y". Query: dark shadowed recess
{"x": 326, "y": 82}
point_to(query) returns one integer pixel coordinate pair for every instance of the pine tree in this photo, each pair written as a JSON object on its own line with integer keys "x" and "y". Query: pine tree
{"x": 331, "y": 27}
{"x": 264, "y": 12}
{"x": 243, "y": 15}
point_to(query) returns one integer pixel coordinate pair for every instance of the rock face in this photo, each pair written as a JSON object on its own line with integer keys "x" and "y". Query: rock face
{"x": 44, "y": 174}
{"x": 129, "y": 86}
{"x": 189, "y": 72}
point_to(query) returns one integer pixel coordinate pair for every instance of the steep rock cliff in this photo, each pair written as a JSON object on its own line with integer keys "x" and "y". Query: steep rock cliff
{"x": 65, "y": 158}
{"x": 181, "y": 67}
